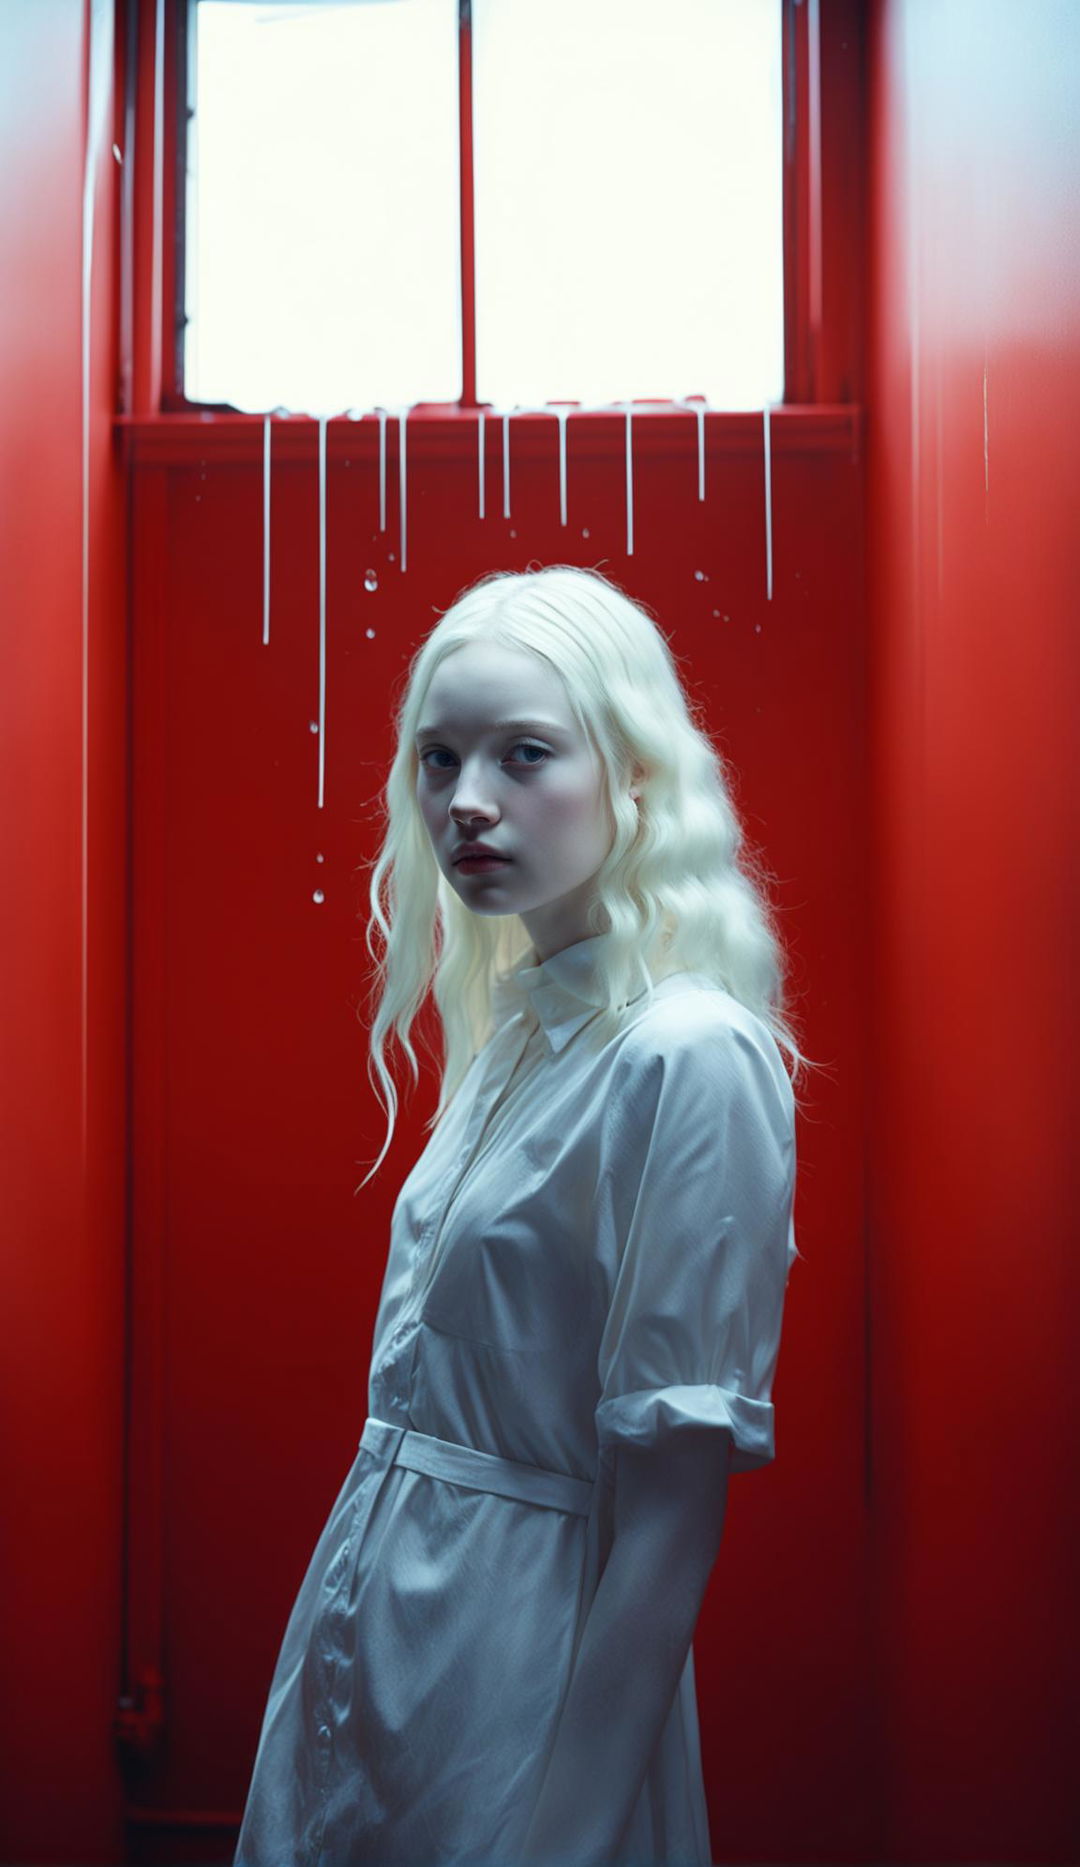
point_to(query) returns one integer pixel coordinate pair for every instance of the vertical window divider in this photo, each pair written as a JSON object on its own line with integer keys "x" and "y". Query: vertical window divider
{"x": 468, "y": 237}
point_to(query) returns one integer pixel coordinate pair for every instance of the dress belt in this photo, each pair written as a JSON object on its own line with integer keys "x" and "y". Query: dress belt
{"x": 478, "y": 1471}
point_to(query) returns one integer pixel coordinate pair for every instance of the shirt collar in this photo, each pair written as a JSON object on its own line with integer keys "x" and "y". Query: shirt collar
{"x": 563, "y": 991}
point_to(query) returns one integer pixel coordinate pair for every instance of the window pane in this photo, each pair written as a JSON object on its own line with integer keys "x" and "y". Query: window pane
{"x": 629, "y": 200}
{"x": 323, "y": 257}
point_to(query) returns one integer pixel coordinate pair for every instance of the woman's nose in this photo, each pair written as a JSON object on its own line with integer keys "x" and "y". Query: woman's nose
{"x": 462, "y": 811}
{"x": 469, "y": 800}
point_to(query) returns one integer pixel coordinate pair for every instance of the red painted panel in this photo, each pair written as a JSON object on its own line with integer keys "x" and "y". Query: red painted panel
{"x": 63, "y": 699}
{"x": 974, "y": 411}
{"x": 256, "y": 1271}
{"x": 254, "y": 1103}
{"x": 234, "y": 1158}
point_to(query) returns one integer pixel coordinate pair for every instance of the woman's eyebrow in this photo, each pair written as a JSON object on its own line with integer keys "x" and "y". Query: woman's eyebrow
{"x": 499, "y": 726}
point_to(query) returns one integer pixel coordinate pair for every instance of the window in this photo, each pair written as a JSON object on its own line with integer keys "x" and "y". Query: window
{"x": 322, "y": 205}
{"x": 627, "y": 180}
{"x": 629, "y": 210}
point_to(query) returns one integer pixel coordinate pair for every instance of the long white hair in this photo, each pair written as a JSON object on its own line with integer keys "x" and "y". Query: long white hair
{"x": 678, "y": 890}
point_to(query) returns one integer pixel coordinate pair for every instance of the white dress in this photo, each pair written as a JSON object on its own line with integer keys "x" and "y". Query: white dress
{"x": 591, "y": 1249}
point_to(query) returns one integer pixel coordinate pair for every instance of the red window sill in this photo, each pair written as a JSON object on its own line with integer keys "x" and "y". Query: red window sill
{"x": 440, "y": 431}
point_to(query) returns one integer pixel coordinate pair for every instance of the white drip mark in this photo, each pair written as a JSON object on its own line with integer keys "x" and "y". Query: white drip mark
{"x": 629, "y": 482}
{"x": 506, "y": 465}
{"x": 768, "y": 503}
{"x": 322, "y": 606}
{"x": 97, "y": 91}
{"x": 266, "y": 529}
{"x": 986, "y": 430}
{"x": 940, "y": 527}
{"x": 480, "y": 458}
{"x": 403, "y": 480}
{"x": 560, "y": 416}
{"x": 914, "y": 181}
{"x": 698, "y": 409}
{"x": 382, "y": 468}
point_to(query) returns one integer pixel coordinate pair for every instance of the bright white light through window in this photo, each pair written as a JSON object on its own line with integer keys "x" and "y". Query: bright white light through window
{"x": 323, "y": 202}
{"x": 628, "y": 189}
{"x": 629, "y": 200}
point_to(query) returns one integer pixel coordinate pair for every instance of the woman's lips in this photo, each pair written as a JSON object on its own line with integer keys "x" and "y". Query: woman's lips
{"x": 475, "y": 864}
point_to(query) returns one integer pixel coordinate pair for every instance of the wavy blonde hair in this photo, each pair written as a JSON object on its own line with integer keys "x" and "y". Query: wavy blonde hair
{"x": 678, "y": 890}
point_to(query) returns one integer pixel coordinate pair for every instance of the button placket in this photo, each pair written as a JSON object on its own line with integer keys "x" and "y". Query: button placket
{"x": 481, "y": 1116}
{"x": 330, "y": 1644}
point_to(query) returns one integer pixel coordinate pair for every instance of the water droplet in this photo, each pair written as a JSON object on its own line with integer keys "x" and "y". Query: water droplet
{"x": 584, "y": 531}
{"x": 390, "y": 555}
{"x": 757, "y": 628}
{"x": 117, "y": 153}
{"x": 727, "y": 618}
{"x": 716, "y": 612}
{"x": 513, "y": 533}
{"x": 371, "y": 581}
{"x": 700, "y": 575}
{"x": 318, "y": 896}
{"x": 370, "y": 633}
{"x": 320, "y": 857}
{"x": 313, "y": 726}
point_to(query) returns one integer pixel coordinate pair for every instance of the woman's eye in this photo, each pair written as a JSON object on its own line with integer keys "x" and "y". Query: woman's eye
{"x": 439, "y": 752}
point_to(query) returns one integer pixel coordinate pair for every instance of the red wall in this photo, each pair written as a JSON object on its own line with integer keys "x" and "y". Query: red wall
{"x": 63, "y": 963}
{"x": 898, "y": 1675}
{"x": 257, "y": 1270}
{"x": 974, "y": 408}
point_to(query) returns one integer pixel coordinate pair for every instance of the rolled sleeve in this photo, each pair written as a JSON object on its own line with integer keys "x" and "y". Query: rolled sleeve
{"x": 704, "y": 1217}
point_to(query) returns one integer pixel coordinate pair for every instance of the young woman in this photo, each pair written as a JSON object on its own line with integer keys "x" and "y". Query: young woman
{"x": 489, "y": 1660}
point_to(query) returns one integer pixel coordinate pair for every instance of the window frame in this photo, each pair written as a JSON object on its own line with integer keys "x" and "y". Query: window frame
{"x": 822, "y": 362}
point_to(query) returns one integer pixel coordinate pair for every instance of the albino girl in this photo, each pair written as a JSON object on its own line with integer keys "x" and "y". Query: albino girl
{"x": 489, "y": 1660}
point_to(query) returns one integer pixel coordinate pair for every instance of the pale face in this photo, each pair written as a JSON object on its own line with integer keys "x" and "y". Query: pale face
{"x": 532, "y": 791}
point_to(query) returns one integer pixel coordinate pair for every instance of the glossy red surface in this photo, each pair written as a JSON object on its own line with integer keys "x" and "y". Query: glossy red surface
{"x": 191, "y": 1280}
{"x": 972, "y": 548}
